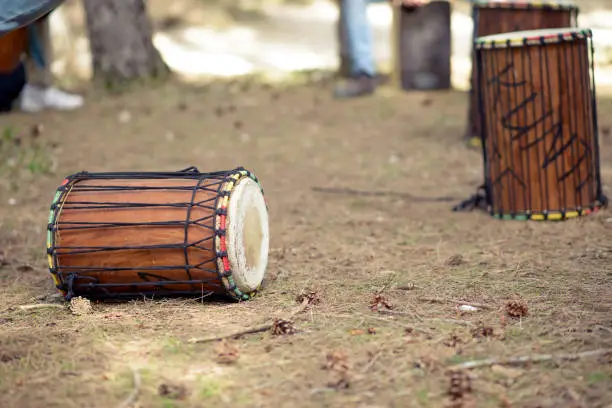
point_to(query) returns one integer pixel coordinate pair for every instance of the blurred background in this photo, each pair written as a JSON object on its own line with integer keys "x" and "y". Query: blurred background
{"x": 203, "y": 38}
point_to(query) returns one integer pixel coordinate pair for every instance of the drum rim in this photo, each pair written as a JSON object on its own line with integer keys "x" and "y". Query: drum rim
{"x": 224, "y": 265}
{"x": 522, "y": 5}
{"x": 533, "y": 37}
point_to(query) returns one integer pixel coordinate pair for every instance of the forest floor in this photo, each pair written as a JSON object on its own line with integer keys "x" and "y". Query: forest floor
{"x": 360, "y": 195}
{"x": 393, "y": 236}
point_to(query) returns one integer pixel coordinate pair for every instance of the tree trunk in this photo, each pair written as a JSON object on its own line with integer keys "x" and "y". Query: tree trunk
{"x": 120, "y": 36}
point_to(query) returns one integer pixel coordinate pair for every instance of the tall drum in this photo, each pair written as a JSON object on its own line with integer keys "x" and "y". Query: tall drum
{"x": 502, "y": 16}
{"x": 12, "y": 46}
{"x": 122, "y": 235}
{"x": 539, "y": 116}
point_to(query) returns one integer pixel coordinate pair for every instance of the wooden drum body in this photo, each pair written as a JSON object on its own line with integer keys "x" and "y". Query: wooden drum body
{"x": 538, "y": 112}
{"x": 497, "y": 17}
{"x": 122, "y": 235}
{"x": 421, "y": 46}
{"x": 12, "y": 46}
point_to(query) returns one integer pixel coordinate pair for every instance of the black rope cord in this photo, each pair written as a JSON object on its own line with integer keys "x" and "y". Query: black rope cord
{"x": 77, "y": 280}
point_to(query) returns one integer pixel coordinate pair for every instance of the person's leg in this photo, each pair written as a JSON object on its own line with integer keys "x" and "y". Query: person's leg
{"x": 39, "y": 55}
{"x": 39, "y": 93}
{"x": 359, "y": 36}
{"x": 360, "y": 47}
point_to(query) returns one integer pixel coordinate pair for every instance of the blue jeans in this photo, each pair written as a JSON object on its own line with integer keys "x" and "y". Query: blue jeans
{"x": 359, "y": 35}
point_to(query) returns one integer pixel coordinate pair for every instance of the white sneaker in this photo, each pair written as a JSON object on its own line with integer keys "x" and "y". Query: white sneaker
{"x": 31, "y": 99}
{"x": 35, "y": 99}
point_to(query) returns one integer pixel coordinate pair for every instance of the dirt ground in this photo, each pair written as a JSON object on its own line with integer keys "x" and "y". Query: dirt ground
{"x": 402, "y": 243}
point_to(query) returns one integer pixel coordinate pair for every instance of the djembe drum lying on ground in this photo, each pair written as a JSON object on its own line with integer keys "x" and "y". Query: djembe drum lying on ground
{"x": 538, "y": 110}
{"x": 497, "y": 17}
{"x": 122, "y": 235}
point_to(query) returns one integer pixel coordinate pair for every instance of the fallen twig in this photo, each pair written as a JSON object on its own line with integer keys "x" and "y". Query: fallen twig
{"x": 461, "y": 302}
{"x": 406, "y": 287}
{"x": 133, "y": 397}
{"x": 259, "y": 329}
{"x": 536, "y": 358}
{"x": 398, "y": 313}
{"x": 370, "y": 363}
{"x": 235, "y": 335}
{"x": 453, "y": 321}
{"x": 408, "y": 196}
{"x": 600, "y": 327}
{"x": 41, "y": 306}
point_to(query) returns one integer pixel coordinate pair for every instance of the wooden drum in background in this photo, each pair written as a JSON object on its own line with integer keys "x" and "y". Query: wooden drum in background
{"x": 122, "y": 235}
{"x": 496, "y": 17}
{"x": 421, "y": 46}
{"x": 12, "y": 47}
{"x": 538, "y": 111}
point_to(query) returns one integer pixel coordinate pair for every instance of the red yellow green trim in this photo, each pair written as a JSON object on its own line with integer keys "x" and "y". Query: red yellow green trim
{"x": 551, "y": 5}
{"x": 551, "y": 215}
{"x": 223, "y": 264}
{"x": 56, "y": 207}
{"x": 532, "y": 37}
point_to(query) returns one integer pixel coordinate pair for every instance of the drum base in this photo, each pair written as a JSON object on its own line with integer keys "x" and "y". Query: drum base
{"x": 479, "y": 201}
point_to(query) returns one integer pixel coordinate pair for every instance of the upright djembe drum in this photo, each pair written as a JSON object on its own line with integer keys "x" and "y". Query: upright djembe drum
{"x": 124, "y": 235}
{"x": 502, "y": 16}
{"x": 537, "y": 105}
{"x": 12, "y": 46}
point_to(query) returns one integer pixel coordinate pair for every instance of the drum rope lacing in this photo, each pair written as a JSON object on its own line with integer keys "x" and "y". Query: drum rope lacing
{"x": 482, "y": 199}
{"x": 211, "y": 181}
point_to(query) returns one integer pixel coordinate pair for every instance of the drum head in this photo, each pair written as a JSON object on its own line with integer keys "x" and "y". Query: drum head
{"x": 532, "y": 37}
{"x": 513, "y": 4}
{"x": 247, "y": 235}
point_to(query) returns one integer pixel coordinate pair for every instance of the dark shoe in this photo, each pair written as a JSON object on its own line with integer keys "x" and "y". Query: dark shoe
{"x": 359, "y": 85}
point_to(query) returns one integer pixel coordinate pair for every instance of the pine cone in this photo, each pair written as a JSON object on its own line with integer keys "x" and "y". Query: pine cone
{"x": 227, "y": 353}
{"x": 311, "y": 297}
{"x": 460, "y": 385}
{"x": 281, "y": 327}
{"x": 482, "y": 331}
{"x": 337, "y": 363}
{"x": 380, "y": 301}
{"x": 517, "y": 308}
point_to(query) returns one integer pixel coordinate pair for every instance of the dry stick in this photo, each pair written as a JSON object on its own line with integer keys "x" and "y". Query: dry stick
{"x": 453, "y": 321}
{"x": 370, "y": 363}
{"x": 254, "y": 330}
{"x": 398, "y": 313}
{"x": 476, "y": 305}
{"x": 41, "y": 306}
{"x": 236, "y": 335}
{"x": 406, "y": 287}
{"x": 133, "y": 397}
{"x": 603, "y": 328}
{"x": 537, "y": 358}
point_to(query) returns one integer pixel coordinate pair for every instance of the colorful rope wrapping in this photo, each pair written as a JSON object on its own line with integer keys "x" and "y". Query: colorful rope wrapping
{"x": 514, "y": 5}
{"x": 550, "y": 215}
{"x": 224, "y": 267}
{"x": 224, "y": 270}
{"x": 539, "y": 37}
